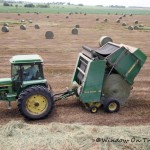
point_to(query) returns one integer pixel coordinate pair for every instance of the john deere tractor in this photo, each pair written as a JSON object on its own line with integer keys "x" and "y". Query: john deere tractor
{"x": 102, "y": 77}
{"x": 35, "y": 101}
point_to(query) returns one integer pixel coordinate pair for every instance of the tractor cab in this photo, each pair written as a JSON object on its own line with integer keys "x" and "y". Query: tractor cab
{"x": 26, "y": 69}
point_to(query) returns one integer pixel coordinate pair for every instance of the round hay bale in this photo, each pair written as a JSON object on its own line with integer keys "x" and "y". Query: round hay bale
{"x": 118, "y": 21}
{"x": 97, "y": 19}
{"x": 18, "y": 14}
{"x": 67, "y": 17}
{"x": 136, "y": 22}
{"x": 6, "y": 24}
{"x": 84, "y": 14}
{"x": 37, "y": 26}
{"x": 22, "y": 27}
{"x": 49, "y": 35}
{"x": 141, "y": 25}
{"x": 77, "y": 26}
{"x": 70, "y": 13}
{"x": 104, "y": 39}
{"x": 74, "y": 31}
{"x": 130, "y": 27}
{"x": 124, "y": 15}
{"x": 120, "y": 17}
{"x": 105, "y": 20}
{"x": 116, "y": 87}
{"x": 124, "y": 24}
{"x": 30, "y": 21}
{"x": 47, "y": 16}
{"x": 136, "y": 28}
{"x": 5, "y": 29}
{"x": 22, "y": 20}
{"x": 131, "y": 14}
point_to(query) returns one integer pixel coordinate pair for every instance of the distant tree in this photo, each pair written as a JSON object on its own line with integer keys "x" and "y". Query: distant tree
{"x": 29, "y": 5}
{"x": 6, "y": 4}
{"x": 80, "y": 5}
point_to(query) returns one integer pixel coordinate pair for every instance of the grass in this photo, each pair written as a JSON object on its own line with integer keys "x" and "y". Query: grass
{"x": 20, "y": 135}
{"x": 54, "y": 9}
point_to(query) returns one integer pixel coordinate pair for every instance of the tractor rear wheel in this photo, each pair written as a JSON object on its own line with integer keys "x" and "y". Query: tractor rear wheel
{"x": 111, "y": 106}
{"x": 35, "y": 102}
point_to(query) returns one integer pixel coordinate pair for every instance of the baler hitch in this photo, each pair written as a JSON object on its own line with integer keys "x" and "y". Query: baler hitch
{"x": 64, "y": 95}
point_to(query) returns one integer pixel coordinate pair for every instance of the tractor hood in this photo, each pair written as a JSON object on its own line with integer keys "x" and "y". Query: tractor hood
{"x": 5, "y": 81}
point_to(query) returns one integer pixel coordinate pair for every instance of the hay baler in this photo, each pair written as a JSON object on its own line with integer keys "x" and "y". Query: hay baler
{"x": 102, "y": 76}
{"x": 105, "y": 76}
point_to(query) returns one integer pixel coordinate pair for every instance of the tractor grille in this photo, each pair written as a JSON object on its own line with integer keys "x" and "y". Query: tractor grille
{"x": 81, "y": 68}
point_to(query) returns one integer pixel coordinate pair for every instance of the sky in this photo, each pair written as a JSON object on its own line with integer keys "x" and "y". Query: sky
{"x": 143, "y": 3}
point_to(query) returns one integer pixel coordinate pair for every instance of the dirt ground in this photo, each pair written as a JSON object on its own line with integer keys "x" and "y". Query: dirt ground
{"x": 60, "y": 56}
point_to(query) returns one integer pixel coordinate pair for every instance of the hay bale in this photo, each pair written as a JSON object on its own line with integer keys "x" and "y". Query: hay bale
{"x": 30, "y": 21}
{"x": 22, "y": 20}
{"x": 136, "y": 22}
{"x": 136, "y": 28}
{"x": 120, "y": 17}
{"x": 118, "y": 21}
{"x": 141, "y": 25}
{"x": 116, "y": 13}
{"x": 124, "y": 15}
{"x": 105, "y": 20}
{"x": 49, "y": 35}
{"x": 97, "y": 19}
{"x": 104, "y": 39}
{"x": 47, "y": 16}
{"x": 124, "y": 24}
{"x": 5, "y": 29}
{"x": 130, "y": 27}
{"x": 75, "y": 31}
{"x": 18, "y": 14}
{"x": 77, "y": 26}
{"x": 67, "y": 17}
{"x": 22, "y": 27}
{"x": 6, "y": 24}
{"x": 131, "y": 14}
{"x": 37, "y": 26}
{"x": 85, "y": 14}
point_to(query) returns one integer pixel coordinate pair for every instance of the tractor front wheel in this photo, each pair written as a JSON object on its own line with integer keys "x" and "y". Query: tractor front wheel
{"x": 111, "y": 106}
{"x": 35, "y": 102}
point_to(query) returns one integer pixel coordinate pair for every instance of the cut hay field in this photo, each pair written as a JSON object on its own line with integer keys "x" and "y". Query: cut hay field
{"x": 60, "y": 56}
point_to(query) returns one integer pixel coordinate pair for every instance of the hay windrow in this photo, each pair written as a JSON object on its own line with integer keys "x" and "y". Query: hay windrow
{"x": 20, "y": 135}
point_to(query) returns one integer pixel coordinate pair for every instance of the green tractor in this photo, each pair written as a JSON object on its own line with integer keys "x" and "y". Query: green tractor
{"x": 102, "y": 77}
{"x": 35, "y": 101}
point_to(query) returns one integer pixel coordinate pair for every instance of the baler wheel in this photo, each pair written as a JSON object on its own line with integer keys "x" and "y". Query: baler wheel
{"x": 111, "y": 106}
{"x": 35, "y": 102}
{"x": 93, "y": 109}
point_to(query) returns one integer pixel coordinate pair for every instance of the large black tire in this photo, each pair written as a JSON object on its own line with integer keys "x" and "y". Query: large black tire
{"x": 111, "y": 105}
{"x": 35, "y": 102}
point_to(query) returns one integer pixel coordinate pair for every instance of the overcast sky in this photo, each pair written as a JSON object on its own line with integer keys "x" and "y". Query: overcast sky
{"x": 144, "y": 3}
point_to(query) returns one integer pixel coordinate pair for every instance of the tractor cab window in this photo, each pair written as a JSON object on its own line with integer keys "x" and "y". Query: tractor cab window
{"x": 27, "y": 72}
{"x": 16, "y": 72}
{"x": 32, "y": 72}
